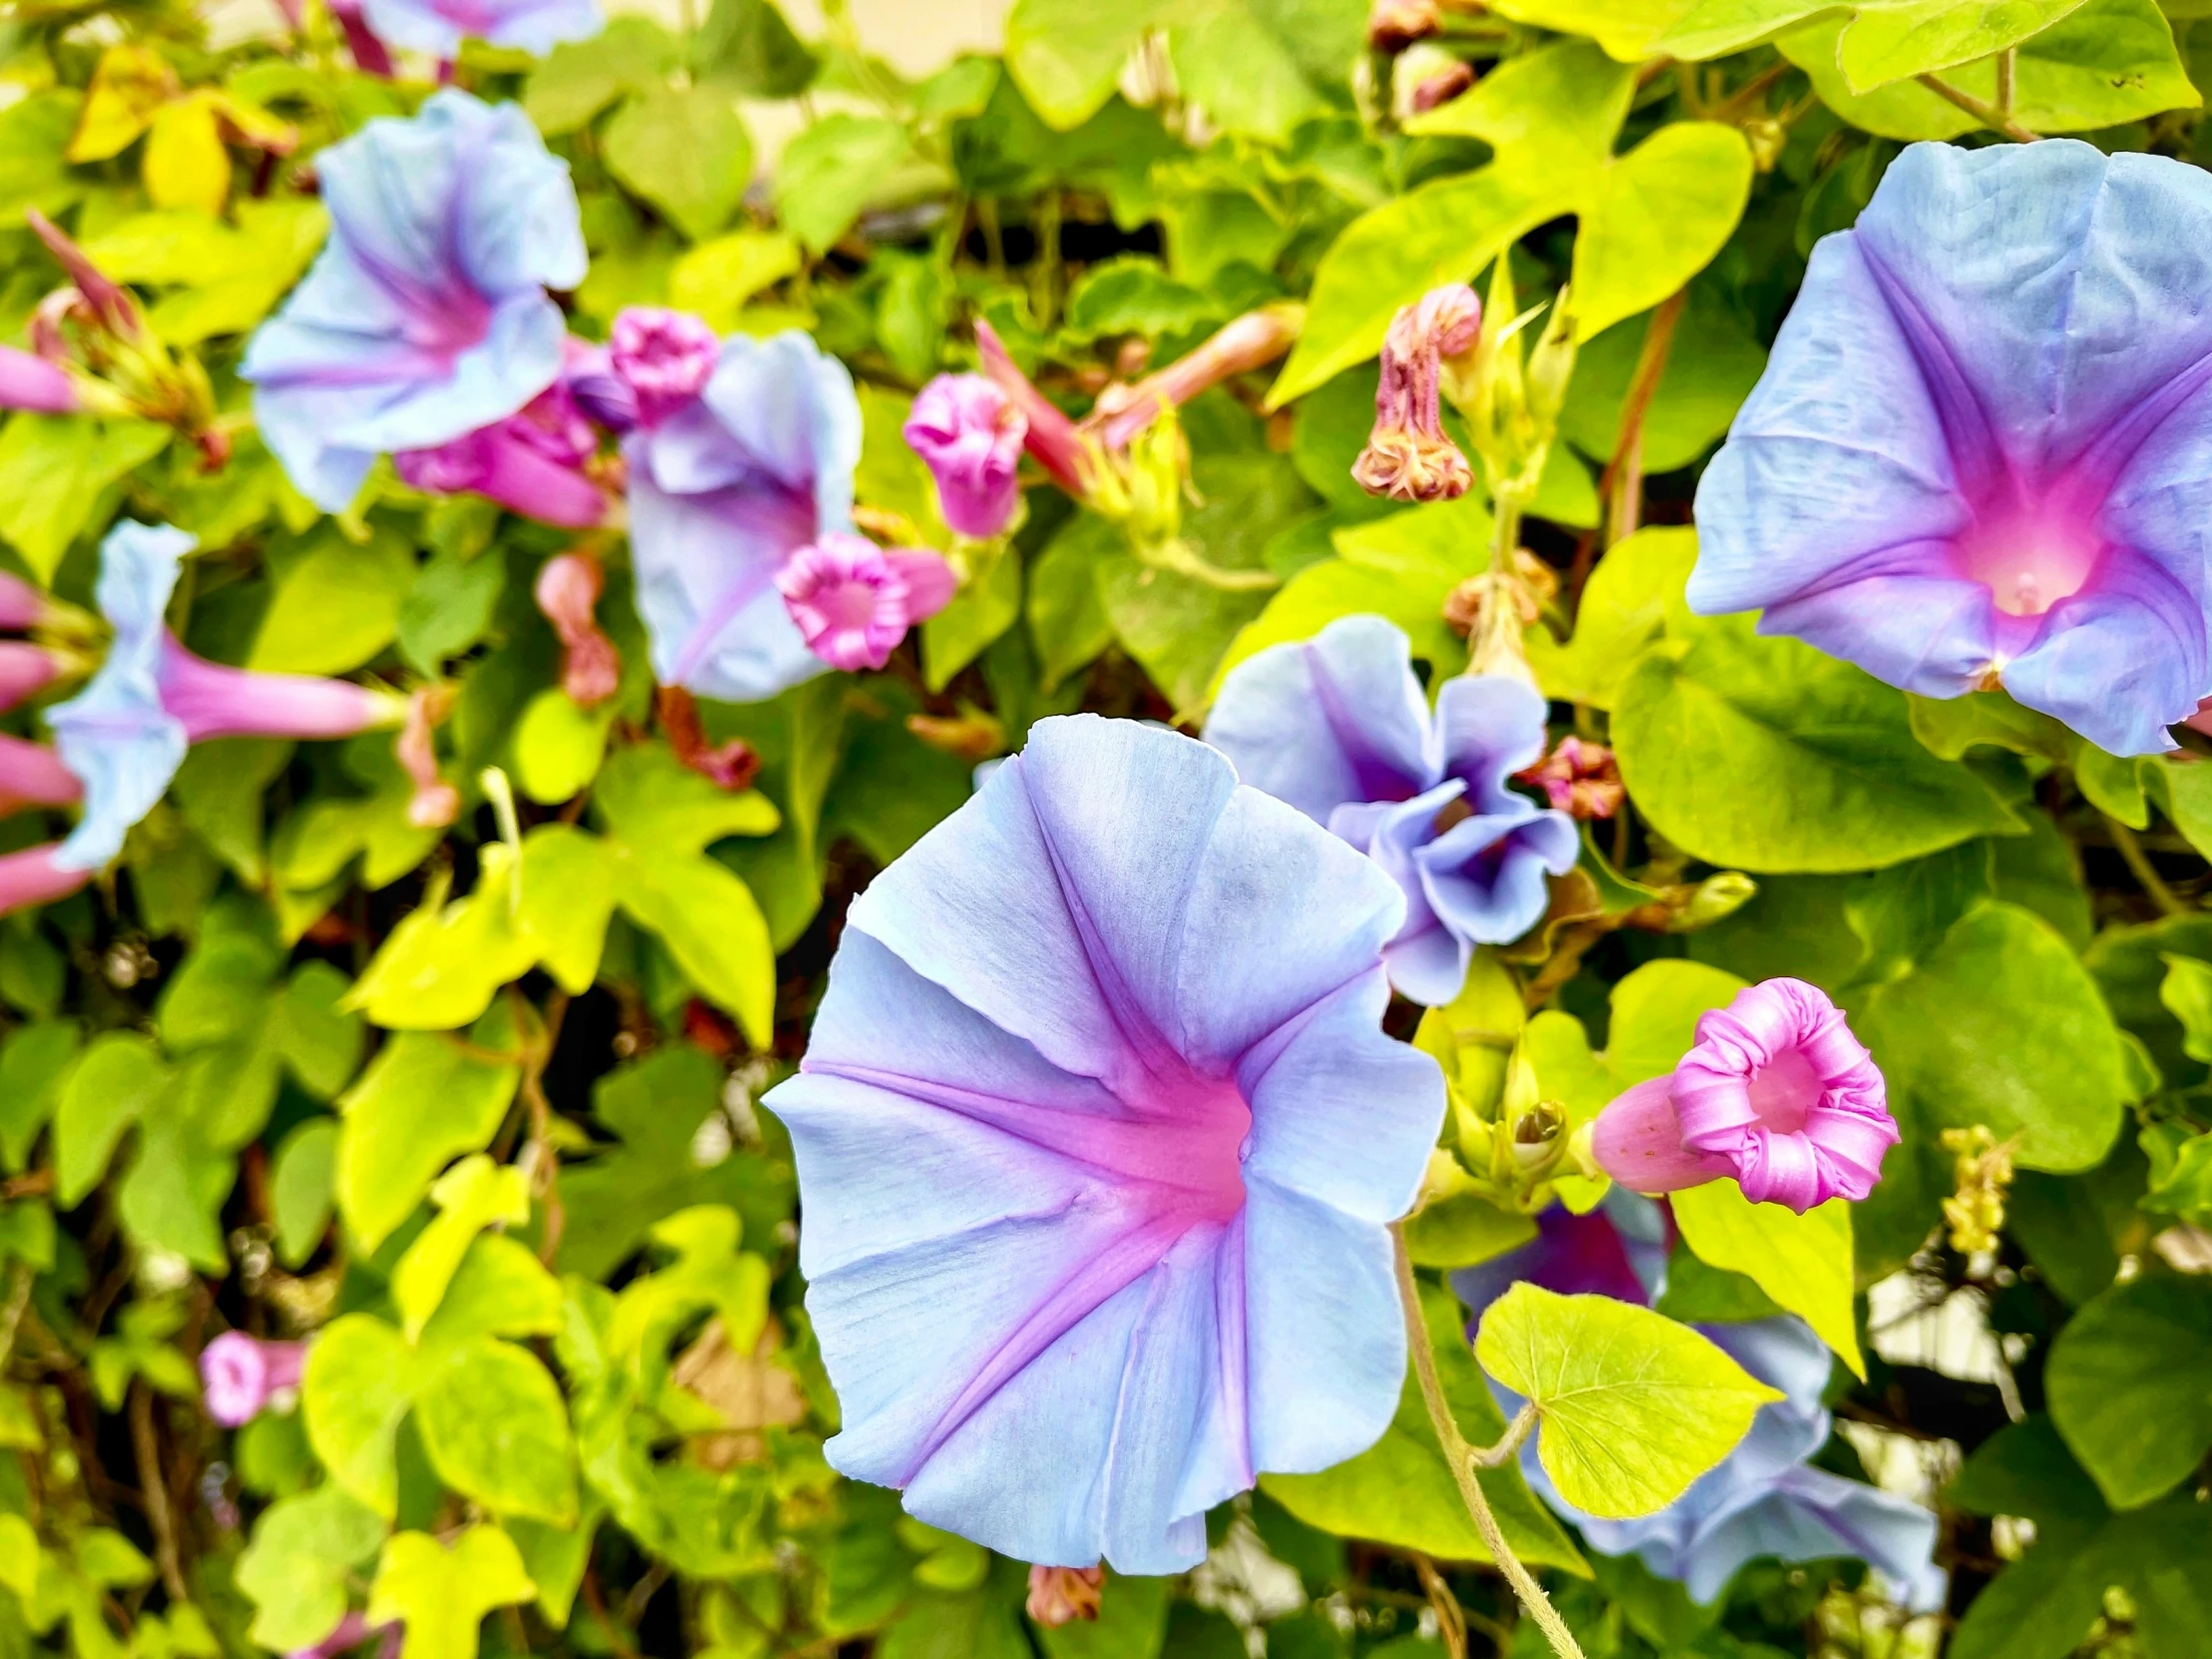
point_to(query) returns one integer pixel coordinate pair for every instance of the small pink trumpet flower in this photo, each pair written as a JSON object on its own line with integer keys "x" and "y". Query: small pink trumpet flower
{"x": 1776, "y": 1094}
{"x": 567, "y": 589}
{"x": 1051, "y": 438}
{"x": 853, "y": 602}
{"x": 25, "y": 670}
{"x": 31, "y": 774}
{"x": 31, "y": 383}
{"x": 239, "y": 1374}
{"x": 1250, "y": 342}
{"x": 531, "y": 463}
{"x": 665, "y": 358}
{"x": 969, "y": 433}
{"x": 213, "y": 700}
{"x": 1579, "y": 779}
{"x": 1408, "y": 457}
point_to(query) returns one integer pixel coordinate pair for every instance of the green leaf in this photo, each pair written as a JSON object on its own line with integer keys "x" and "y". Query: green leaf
{"x": 1400, "y": 1491}
{"x": 715, "y": 278}
{"x": 1623, "y": 609}
{"x": 558, "y": 745}
{"x": 53, "y": 472}
{"x": 581, "y": 78}
{"x": 500, "y": 1290}
{"x": 471, "y": 1196}
{"x": 833, "y": 170}
{"x": 495, "y": 1429}
{"x": 219, "y": 791}
{"x": 989, "y": 606}
{"x": 1655, "y": 219}
{"x": 1713, "y": 28}
{"x": 442, "y": 1594}
{"x": 713, "y": 926}
{"x": 1804, "y": 1262}
{"x": 449, "y": 606}
{"x": 685, "y": 149}
{"x": 1632, "y": 1406}
{"x": 1066, "y": 55}
{"x": 423, "y": 1100}
{"x": 118, "y": 1082}
{"x": 651, "y": 800}
{"x": 335, "y": 608}
{"x": 2130, "y": 1385}
{"x": 1067, "y": 620}
{"x": 1765, "y": 755}
{"x": 1230, "y": 60}
{"x": 1711, "y": 366}
{"x": 300, "y": 1188}
{"x": 1951, "y": 1032}
{"x": 361, "y": 1378}
{"x": 296, "y": 1571}
{"x": 748, "y": 44}
{"x": 1889, "y": 43}
{"x": 319, "y": 1040}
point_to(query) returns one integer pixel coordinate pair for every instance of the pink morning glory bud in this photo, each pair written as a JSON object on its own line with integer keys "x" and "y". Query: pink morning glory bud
{"x": 213, "y": 700}
{"x": 435, "y": 802}
{"x": 1061, "y": 1595}
{"x": 531, "y": 463}
{"x": 1050, "y": 436}
{"x": 31, "y": 774}
{"x": 108, "y": 302}
{"x": 32, "y": 878}
{"x": 22, "y": 606}
{"x": 567, "y": 589}
{"x": 238, "y": 1374}
{"x": 728, "y": 765}
{"x": 1441, "y": 88}
{"x": 1777, "y": 1093}
{"x": 664, "y": 356}
{"x": 1247, "y": 342}
{"x": 25, "y": 668}
{"x": 31, "y": 383}
{"x": 1578, "y": 778}
{"x": 853, "y": 602}
{"x": 369, "y": 53}
{"x": 1408, "y": 457}
{"x": 969, "y": 433}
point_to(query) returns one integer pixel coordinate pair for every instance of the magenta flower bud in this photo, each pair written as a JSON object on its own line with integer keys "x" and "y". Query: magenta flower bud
{"x": 31, "y": 383}
{"x": 1579, "y": 779}
{"x": 213, "y": 700}
{"x": 369, "y": 53}
{"x": 530, "y": 463}
{"x": 109, "y": 303}
{"x": 665, "y": 358}
{"x": 237, "y": 1373}
{"x": 567, "y": 589}
{"x": 1777, "y": 1093}
{"x": 588, "y": 374}
{"x": 853, "y": 602}
{"x": 1408, "y": 457}
{"x": 32, "y": 878}
{"x": 1441, "y": 88}
{"x": 1049, "y": 435}
{"x": 970, "y": 435}
{"x": 22, "y": 606}
{"x": 25, "y": 670}
{"x": 31, "y": 774}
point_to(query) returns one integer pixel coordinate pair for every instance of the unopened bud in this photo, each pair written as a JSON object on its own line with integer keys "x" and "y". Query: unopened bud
{"x": 1441, "y": 88}
{"x": 1408, "y": 457}
{"x": 1551, "y": 367}
{"x": 1579, "y": 779}
{"x": 1536, "y": 1133}
{"x": 972, "y": 736}
{"x": 435, "y": 802}
{"x": 108, "y": 302}
{"x": 567, "y": 589}
{"x": 1393, "y": 25}
{"x": 1061, "y": 1595}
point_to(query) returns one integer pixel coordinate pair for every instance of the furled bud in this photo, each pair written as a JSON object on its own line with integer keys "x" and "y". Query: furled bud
{"x": 730, "y": 766}
{"x": 1393, "y": 25}
{"x": 1579, "y": 779}
{"x": 435, "y": 802}
{"x": 969, "y": 433}
{"x": 568, "y": 587}
{"x": 1408, "y": 457}
{"x": 1061, "y": 1595}
{"x": 1441, "y": 88}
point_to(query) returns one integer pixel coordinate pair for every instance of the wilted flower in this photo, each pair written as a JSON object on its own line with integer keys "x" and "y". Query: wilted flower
{"x": 1099, "y": 1142}
{"x": 1407, "y": 456}
{"x": 969, "y": 433}
{"x": 1764, "y": 1498}
{"x": 567, "y": 588}
{"x": 731, "y": 764}
{"x": 1776, "y": 1094}
{"x": 853, "y": 602}
{"x": 126, "y": 732}
{"x": 425, "y": 317}
{"x": 1337, "y": 726}
{"x": 31, "y": 383}
{"x": 1978, "y": 451}
{"x": 1579, "y": 779}
{"x": 439, "y": 26}
{"x": 722, "y": 492}
{"x": 1393, "y": 25}
{"x": 1062, "y": 1595}
{"x": 238, "y": 1374}
{"x": 435, "y": 802}
{"x": 531, "y": 463}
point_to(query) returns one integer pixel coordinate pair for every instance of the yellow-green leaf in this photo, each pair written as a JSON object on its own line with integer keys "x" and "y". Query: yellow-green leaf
{"x": 1803, "y": 1262}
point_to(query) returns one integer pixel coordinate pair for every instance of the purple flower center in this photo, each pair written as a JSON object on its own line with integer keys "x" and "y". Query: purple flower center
{"x": 2029, "y": 557}
{"x": 1784, "y": 1090}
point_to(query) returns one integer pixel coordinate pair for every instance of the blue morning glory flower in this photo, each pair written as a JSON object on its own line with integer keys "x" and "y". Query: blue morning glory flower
{"x": 1100, "y": 1141}
{"x": 439, "y": 26}
{"x": 425, "y": 317}
{"x": 724, "y": 487}
{"x": 1978, "y": 455}
{"x": 1765, "y": 1498}
{"x": 1337, "y": 726}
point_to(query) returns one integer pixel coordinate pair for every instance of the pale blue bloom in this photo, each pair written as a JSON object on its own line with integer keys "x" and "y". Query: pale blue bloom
{"x": 1099, "y": 1140}
{"x": 1764, "y": 1498}
{"x": 1982, "y": 450}
{"x": 439, "y": 26}
{"x": 722, "y": 490}
{"x": 1338, "y": 727}
{"x": 425, "y": 317}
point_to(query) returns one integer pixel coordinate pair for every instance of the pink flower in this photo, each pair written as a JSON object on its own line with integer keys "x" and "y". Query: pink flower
{"x": 853, "y": 602}
{"x": 970, "y": 435}
{"x": 31, "y": 774}
{"x": 237, "y": 1373}
{"x": 25, "y": 670}
{"x": 32, "y": 876}
{"x": 1776, "y": 1094}
{"x": 665, "y": 358}
{"x": 21, "y": 605}
{"x": 29, "y": 382}
{"x": 531, "y": 463}
{"x": 568, "y": 587}
{"x": 1048, "y": 435}
{"x": 1408, "y": 457}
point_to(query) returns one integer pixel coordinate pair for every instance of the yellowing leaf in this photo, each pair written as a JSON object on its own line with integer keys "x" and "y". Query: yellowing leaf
{"x": 127, "y": 85}
{"x": 185, "y": 165}
{"x": 441, "y": 1595}
{"x": 1803, "y": 1262}
{"x": 470, "y": 1197}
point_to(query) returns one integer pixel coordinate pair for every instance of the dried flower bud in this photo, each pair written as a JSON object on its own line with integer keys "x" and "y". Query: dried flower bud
{"x": 1441, "y": 88}
{"x": 1393, "y": 25}
{"x": 435, "y": 802}
{"x": 1579, "y": 779}
{"x": 730, "y": 766}
{"x": 1408, "y": 457}
{"x": 567, "y": 589}
{"x": 1061, "y": 1595}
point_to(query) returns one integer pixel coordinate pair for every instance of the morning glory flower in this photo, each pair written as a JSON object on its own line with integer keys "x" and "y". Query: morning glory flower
{"x": 969, "y": 433}
{"x": 239, "y": 1374}
{"x": 1776, "y": 1094}
{"x": 1100, "y": 1141}
{"x": 31, "y": 383}
{"x": 125, "y": 735}
{"x": 425, "y": 317}
{"x": 1337, "y": 726}
{"x": 439, "y": 26}
{"x": 1978, "y": 452}
{"x": 1764, "y": 1498}
{"x": 533, "y": 463}
{"x": 724, "y": 488}
{"x": 854, "y": 601}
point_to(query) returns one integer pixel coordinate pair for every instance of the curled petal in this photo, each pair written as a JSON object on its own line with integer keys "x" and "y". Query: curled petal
{"x": 969, "y": 433}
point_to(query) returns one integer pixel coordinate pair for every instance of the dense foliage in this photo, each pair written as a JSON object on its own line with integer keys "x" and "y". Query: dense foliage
{"x": 443, "y": 1058}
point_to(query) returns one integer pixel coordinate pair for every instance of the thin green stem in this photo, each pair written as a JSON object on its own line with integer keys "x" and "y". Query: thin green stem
{"x": 2139, "y": 862}
{"x": 1465, "y": 1459}
{"x": 1996, "y": 120}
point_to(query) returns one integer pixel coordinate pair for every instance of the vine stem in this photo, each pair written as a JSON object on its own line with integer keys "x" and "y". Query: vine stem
{"x": 1465, "y": 1459}
{"x": 1996, "y": 120}
{"x": 2139, "y": 865}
